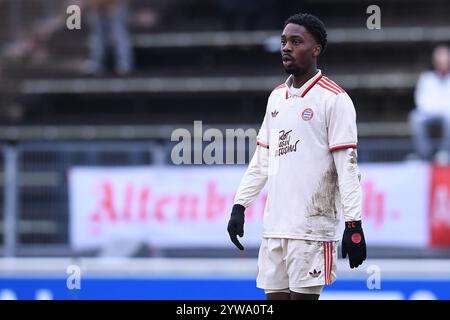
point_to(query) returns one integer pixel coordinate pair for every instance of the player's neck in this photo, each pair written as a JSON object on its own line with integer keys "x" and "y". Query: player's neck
{"x": 300, "y": 79}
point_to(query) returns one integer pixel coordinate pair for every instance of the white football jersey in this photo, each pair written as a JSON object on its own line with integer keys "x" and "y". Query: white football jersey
{"x": 300, "y": 129}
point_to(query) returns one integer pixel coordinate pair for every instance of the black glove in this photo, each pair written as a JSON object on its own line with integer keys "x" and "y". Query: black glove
{"x": 236, "y": 225}
{"x": 354, "y": 244}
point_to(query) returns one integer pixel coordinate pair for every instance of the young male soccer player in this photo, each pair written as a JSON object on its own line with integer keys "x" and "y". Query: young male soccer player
{"x": 307, "y": 154}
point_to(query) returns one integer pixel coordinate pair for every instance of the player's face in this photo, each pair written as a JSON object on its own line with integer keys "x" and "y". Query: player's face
{"x": 299, "y": 49}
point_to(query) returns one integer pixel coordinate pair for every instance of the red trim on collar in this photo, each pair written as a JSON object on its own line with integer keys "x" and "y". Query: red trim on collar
{"x": 311, "y": 85}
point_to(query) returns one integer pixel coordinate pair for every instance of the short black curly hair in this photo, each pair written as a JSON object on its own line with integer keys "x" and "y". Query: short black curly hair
{"x": 311, "y": 23}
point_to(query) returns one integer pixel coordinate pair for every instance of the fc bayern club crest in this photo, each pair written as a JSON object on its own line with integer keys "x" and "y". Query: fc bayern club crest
{"x": 307, "y": 114}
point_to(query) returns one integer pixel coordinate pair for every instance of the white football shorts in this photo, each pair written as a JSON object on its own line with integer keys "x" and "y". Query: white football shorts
{"x": 294, "y": 264}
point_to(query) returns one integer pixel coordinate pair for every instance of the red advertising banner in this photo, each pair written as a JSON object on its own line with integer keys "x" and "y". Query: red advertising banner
{"x": 186, "y": 207}
{"x": 439, "y": 213}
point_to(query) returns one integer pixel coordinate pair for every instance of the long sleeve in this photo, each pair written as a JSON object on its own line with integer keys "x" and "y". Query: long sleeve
{"x": 255, "y": 177}
{"x": 349, "y": 178}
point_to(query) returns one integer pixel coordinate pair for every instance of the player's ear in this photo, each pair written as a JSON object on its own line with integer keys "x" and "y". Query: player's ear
{"x": 317, "y": 50}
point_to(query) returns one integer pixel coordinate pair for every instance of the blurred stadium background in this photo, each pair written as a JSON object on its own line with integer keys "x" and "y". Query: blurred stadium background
{"x": 86, "y": 177}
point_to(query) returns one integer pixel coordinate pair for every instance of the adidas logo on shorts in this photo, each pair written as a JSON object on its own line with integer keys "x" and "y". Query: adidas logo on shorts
{"x": 315, "y": 273}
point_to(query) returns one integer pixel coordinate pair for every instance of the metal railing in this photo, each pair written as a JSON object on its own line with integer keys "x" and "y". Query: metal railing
{"x": 34, "y": 212}
{"x": 34, "y": 216}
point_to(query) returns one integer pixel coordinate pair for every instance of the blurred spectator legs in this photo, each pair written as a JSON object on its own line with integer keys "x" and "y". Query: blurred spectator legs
{"x": 240, "y": 14}
{"x": 121, "y": 40}
{"x": 97, "y": 42}
{"x": 283, "y": 9}
{"x": 421, "y": 123}
{"x": 245, "y": 15}
{"x": 110, "y": 25}
{"x": 14, "y": 20}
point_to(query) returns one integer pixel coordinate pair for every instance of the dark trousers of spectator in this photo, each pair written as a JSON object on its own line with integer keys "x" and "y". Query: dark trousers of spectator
{"x": 110, "y": 26}
{"x": 421, "y": 123}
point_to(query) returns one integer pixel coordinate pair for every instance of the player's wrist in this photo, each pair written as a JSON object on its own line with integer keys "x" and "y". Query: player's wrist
{"x": 353, "y": 225}
{"x": 238, "y": 210}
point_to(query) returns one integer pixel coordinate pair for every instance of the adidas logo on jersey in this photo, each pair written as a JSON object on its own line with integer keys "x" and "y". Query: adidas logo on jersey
{"x": 274, "y": 113}
{"x": 315, "y": 273}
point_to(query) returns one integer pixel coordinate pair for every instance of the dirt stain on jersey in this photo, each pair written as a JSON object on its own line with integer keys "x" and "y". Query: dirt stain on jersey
{"x": 323, "y": 200}
{"x": 353, "y": 157}
{"x": 353, "y": 161}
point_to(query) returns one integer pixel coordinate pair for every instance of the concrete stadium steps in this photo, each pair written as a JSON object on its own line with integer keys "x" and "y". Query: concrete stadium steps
{"x": 241, "y": 61}
{"x": 188, "y": 15}
{"x": 214, "y": 107}
{"x": 233, "y": 50}
{"x": 378, "y": 68}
